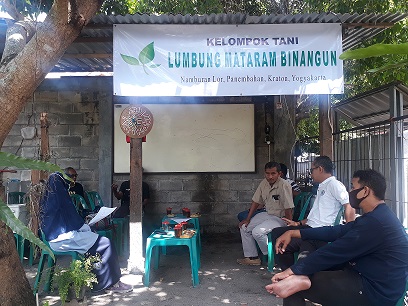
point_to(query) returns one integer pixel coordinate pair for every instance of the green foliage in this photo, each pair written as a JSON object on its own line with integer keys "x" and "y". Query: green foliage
{"x": 251, "y": 7}
{"x": 353, "y": 6}
{"x": 356, "y": 72}
{"x": 32, "y": 8}
{"x": 308, "y": 131}
{"x": 375, "y": 50}
{"x": 145, "y": 56}
{"x": 7, "y": 216}
{"x": 78, "y": 275}
{"x": 116, "y": 7}
{"x": 11, "y": 160}
{"x": 177, "y": 7}
{"x": 379, "y": 50}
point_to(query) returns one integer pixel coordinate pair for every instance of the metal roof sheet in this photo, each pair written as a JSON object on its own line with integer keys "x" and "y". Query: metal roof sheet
{"x": 92, "y": 50}
{"x": 372, "y": 106}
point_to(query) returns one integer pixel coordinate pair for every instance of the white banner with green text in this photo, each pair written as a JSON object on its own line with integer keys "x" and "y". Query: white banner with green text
{"x": 227, "y": 60}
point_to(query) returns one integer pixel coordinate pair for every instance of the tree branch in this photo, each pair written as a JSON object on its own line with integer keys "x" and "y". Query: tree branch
{"x": 11, "y": 10}
{"x": 17, "y": 37}
{"x": 75, "y": 18}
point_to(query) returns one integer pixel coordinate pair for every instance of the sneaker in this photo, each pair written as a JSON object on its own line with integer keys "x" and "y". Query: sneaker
{"x": 120, "y": 287}
{"x": 249, "y": 262}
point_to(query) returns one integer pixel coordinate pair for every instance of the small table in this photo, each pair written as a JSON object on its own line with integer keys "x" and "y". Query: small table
{"x": 194, "y": 220}
{"x": 169, "y": 239}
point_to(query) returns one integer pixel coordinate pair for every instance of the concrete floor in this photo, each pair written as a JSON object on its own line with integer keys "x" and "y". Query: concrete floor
{"x": 222, "y": 280}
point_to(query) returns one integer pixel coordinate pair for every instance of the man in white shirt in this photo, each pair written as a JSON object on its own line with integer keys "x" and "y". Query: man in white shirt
{"x": 275, "y": 194}
{"x": 331, "y": 197}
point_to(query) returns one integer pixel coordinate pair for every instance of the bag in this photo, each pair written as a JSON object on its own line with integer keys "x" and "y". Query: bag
{"x": 103, "y": 224}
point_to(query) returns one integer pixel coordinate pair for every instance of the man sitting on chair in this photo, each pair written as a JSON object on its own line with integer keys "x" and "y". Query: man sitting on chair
{"x": 74, "y": 186}
{"x": 283, "y": 174}
{"x": 275, "y": 194}
{"x": 66, "y": 231}
{"x": 367, "y": 258}
{"x": 331, "y": 196}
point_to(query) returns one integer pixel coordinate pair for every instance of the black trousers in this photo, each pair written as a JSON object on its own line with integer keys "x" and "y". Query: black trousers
{"x": 296, "y": 245}
{"x": 108, "y": 271}
{"x": 332, "y": 288}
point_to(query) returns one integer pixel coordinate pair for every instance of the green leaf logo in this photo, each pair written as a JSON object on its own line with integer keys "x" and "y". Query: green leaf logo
{"x": 145, "y": 57}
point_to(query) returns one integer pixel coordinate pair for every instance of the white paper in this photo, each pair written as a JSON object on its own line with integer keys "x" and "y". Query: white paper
{"x": 102, "y": 213}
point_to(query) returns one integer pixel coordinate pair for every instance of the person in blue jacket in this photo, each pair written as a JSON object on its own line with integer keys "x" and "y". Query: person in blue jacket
{"x": 366, "y": 263}
{"x": 66, "y": 230}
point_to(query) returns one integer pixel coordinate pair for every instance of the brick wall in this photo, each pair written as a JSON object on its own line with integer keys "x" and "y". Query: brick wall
{"x": 74, "y": 107}
{"x": 73, "y": 133}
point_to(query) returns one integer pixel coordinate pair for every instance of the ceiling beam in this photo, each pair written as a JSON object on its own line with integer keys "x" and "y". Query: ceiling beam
{"x": 108, "y": 39}
{"x": 87, "y": 55}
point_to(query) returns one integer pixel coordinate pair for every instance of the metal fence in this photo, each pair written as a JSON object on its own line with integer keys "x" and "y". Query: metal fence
{"x": 383, "y": 147}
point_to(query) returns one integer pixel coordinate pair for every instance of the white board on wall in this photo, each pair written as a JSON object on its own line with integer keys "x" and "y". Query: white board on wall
{"x": 192, "y": 138}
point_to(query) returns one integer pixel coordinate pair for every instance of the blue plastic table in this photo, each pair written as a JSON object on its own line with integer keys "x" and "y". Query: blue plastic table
{"x": 161, "y": 240}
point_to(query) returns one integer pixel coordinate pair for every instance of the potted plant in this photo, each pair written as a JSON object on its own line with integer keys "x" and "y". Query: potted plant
{"x": 73, "y": 280}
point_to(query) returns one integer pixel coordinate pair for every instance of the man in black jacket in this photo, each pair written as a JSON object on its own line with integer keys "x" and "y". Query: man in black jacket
{"x": 370, "y": 255}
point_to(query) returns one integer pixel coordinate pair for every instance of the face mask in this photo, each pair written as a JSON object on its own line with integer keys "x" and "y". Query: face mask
{"x": 354, "y": 202}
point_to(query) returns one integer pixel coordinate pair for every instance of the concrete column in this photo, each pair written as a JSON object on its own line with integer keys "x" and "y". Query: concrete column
{"x": 105, "y": 143}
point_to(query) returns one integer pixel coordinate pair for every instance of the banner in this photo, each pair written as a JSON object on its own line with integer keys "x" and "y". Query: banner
{"x": 227, "y": 60}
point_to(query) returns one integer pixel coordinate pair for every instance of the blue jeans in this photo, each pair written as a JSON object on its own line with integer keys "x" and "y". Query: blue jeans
{"x": 244, "y": 214}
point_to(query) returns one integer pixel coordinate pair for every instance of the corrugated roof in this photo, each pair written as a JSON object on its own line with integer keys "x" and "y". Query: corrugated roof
{"x": 372, "y": 106}
{"x": 92, "y": 50}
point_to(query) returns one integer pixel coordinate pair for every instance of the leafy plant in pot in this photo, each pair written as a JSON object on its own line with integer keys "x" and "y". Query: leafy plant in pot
{"x": 76, "y": 278}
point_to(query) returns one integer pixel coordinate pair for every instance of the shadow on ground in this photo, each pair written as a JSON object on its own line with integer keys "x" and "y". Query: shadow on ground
{"x": 222, "y": 280}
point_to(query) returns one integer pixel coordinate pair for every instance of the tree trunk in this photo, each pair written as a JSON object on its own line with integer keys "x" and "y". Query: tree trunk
{"x": 15, "y": 289}
{"x": 19, "y": 78}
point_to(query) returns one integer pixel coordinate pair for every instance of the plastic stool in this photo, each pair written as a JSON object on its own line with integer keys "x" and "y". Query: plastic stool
{"x": 169, "y": 240}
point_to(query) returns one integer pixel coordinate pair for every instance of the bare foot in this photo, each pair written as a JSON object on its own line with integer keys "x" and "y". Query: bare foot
{"x": 289, "y": 286}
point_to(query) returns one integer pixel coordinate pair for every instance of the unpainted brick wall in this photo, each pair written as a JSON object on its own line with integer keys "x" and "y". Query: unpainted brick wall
{"x": 73, "y": 132}
{"x": 73, "y": 105}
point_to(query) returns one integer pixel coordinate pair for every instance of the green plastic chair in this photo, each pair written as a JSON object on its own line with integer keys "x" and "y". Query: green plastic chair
{"x": 339, "y": 216}
{"x": 403, "y": 301}
{"x": 79, "y": 202}
{"x": 302, "y": 199}
{"x": 121, "y": 238}
{"x": 45, "y": 257}
{"x": 404, "y": 298}
{"x": 121, "y": 235}
{"x": 20, "y": 244}
{"x": 16, "y": 197}
{"x": 94, "y": 199}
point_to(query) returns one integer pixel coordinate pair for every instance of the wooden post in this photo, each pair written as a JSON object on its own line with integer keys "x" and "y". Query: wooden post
{"x": 136, "y": 262}
{"x": 37, "y": 175}
{"x": 325, "y": 126}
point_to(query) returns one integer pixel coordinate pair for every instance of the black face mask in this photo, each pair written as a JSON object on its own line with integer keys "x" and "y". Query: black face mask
{"x": 354, "y": 202}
